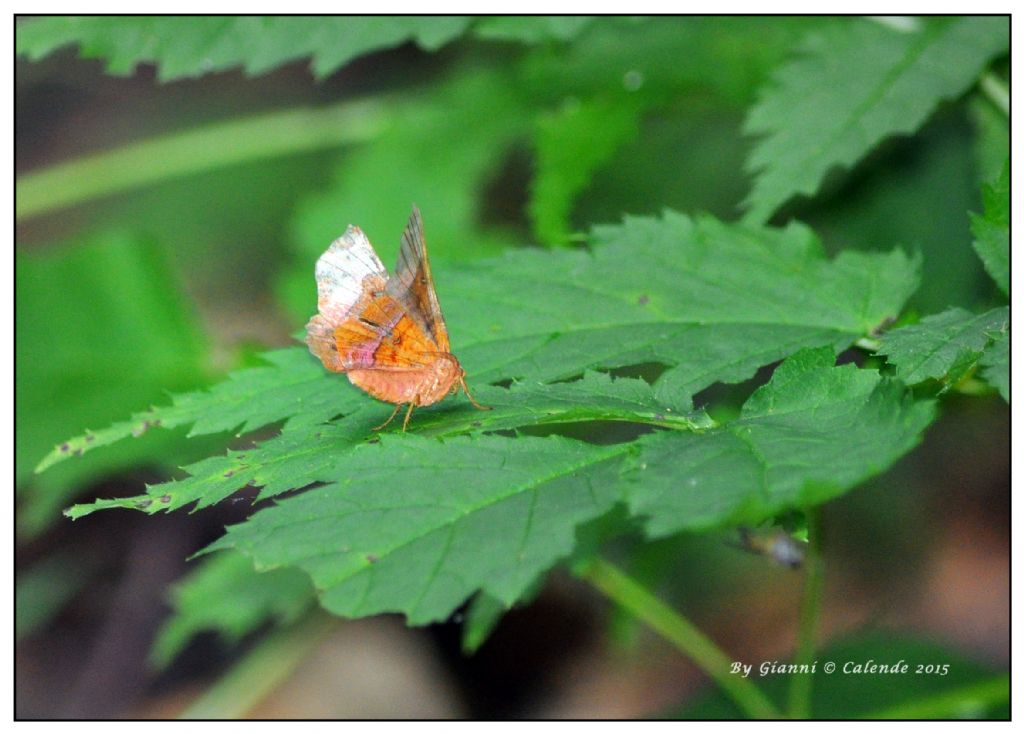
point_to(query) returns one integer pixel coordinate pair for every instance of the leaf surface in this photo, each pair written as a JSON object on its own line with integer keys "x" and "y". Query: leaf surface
{"x": 943, "y": 346}
{"x": 995, "y": 363}
{"x": 811, "y": 433}
{"x": 712, "y": 301}
{"x": 416, "y": 525}
{"x": 189, "y": 46}
{"x": 992, "y": 230}
{"x": 226, "y": 594}
{"x": 853, "y": 85}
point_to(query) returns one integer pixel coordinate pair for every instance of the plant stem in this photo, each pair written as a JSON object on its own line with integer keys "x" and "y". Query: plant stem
{"x": 810, "y": 612}
{"x": 996, "y": 91}
{"x": 195, "y": 151}
{"x": 675, "y": 628}
{"x": 261, "y": 671}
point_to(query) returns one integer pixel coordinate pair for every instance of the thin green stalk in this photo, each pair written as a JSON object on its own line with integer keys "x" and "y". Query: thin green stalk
{"x": 957, "y": 703}
{"x": 810, "y": 612}
{"x": 195, "y": 151}
{"x": 633, "y": 597}
{"x": 261, "y": 671}
{"x": 996, "y": 91}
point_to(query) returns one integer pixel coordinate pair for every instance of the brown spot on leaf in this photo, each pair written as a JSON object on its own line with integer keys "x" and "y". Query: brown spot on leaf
{"x": 165, "y": 498}
{"x": 65, "y": 447}
{"x": 642, "y": 300}
{"x": 143, "y": 504}
{"x": 371, "y": 558}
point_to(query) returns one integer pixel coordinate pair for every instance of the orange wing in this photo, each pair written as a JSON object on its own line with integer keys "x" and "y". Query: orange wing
{"x": 413, "y": 286}
{"x": 368, "y": 320}
{"x": 383, "y": 336}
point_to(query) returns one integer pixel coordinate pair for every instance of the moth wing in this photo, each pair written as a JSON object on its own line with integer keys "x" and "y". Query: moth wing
{"x": 348, "y": 275}
{"x": 382, "y": 336}
{"x": 413, "y": 285}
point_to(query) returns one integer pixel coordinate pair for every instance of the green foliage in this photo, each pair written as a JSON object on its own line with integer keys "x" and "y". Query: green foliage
{"x": 995, "y": 363}
{"x": 479, "y": 115}
{"x": 854, "y": 85}
{"x": 101, "y": 327}
{"x": 542, "y": 126}
{"x": 945, "y": 346}
{"x": 226, "y": 594}
{"x": 571, "y": 144}
{"x": 531, "y": 29}
{"x": 968, "y": 690}
{"x": 188, "y": 46}
{"x": 247, "y": 400}
{"x": 810, "y": 434}
{"x": 417, "y": 525}
{"x": 45, "y": 587}
{"x": 382, "y": 535}
{"x": 894, "y": 198}
{"x": 711, "y": 300}
{"x": 992, "y": 231}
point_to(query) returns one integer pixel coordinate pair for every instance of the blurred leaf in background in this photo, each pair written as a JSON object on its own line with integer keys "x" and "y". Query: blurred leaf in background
{"x": 102, "y": 328}
{"x": 226, "y": 594}
{"x": 833, "y": 104}
{"x": 191, "y": 46}
{"x": 992, "y": 231}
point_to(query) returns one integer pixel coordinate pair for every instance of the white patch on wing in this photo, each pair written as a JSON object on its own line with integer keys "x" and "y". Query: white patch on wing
{"x": 341, "y": 273}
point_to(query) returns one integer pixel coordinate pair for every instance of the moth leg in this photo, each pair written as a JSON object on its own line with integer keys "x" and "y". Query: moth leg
{"x": 468, "y": 395}
{"x": 408, "y": 415}
{"x": 393, "y": 414}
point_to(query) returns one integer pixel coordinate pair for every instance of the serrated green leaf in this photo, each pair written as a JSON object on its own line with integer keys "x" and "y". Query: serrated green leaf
{"x": 703, "y": 295}
{"x": 226, "y": 594}
{"x": 943, "y": 346}
{"x": 249, "y": 399}
{"x": 813, "y": 432}
{"x": 713, "y": 301}
{"x": 195, "y": 45}
{"x": 531, "y": 28}
{"x": 854, "y": 85}
{"x": 995, "y": 363}
{"x": 992, "y": 231}
{"x": 418, "y": 525}
{"x": 309, "y": 450}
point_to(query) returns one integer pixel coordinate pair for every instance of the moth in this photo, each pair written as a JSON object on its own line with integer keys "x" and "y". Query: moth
{"x": 386, "y": 333}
